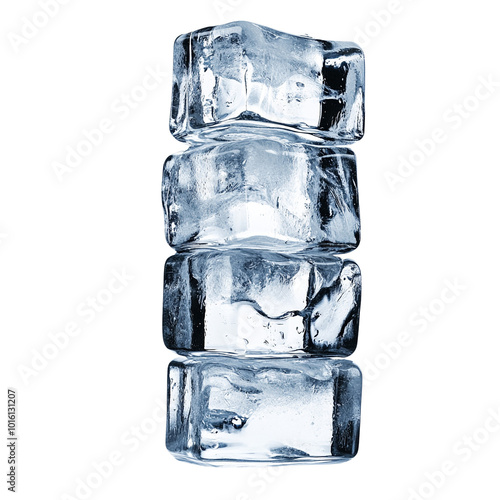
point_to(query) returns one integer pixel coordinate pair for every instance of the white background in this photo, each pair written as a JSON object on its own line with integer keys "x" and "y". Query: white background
{"x": 432, "y": 235}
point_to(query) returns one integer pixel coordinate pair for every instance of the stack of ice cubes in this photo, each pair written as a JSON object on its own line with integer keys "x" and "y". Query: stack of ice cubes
{"x": 257, "y": 207}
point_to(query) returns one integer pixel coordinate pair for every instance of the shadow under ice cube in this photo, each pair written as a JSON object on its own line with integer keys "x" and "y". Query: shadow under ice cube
{"x": 282, "y": 410}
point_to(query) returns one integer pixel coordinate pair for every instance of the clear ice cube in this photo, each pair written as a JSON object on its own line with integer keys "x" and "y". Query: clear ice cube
{"x": 261, "y": 193}
{"x": 274, "y": 410}
{"x": 248, "y": 301}
{"x": 240, "y": 73}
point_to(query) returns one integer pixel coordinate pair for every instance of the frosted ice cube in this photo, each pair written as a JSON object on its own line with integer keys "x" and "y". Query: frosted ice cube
{"x": 241, "y": 73}
{"x": 261, "y": 193}
{"x": 255, "y": 301}
{"x": 241, "y": 410}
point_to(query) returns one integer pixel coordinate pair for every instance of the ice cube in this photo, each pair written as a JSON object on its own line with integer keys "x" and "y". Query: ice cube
{"x": 262, "y": 193}
{"x": 275, "y": 410}
{"x": 241, "y": 73}
{"x": 244, "y": 301}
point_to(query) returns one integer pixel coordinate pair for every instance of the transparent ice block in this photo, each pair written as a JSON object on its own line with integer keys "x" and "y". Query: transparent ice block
{"x": 241, "y": 74}
{"x": 249, "y": 301}
{"x": 263, "y": 410}
{"x": 262, "y": 193}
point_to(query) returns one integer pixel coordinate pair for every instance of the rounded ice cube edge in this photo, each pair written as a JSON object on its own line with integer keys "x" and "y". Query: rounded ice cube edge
{"x": 222, "y": 83}
{"x": 243, "y": 411}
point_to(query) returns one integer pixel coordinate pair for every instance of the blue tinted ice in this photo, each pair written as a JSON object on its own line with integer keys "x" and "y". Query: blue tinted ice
{"x": 229, "y": 409}
{"x": 229, "y": 76}
{"x": 261, "y": 193}
{"x": 257, "y": 206}
{"x": 254, "y": 301}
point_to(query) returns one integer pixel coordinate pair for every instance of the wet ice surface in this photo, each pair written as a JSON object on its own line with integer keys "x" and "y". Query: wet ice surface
{"x": 241, "y": 72}
{"x": 256, "y": 301}
{"x": 262, "y": 193}
{"x": 257, "y": 206}
{"x": 242, "y": 410}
